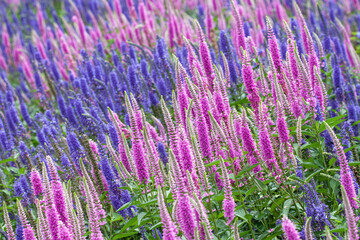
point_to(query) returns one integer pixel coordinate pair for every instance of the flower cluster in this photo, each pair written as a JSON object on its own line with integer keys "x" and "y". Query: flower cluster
{"x": 118, "y": 115}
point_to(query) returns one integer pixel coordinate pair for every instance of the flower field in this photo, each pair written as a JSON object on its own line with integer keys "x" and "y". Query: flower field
{"x": 179, "y": 119}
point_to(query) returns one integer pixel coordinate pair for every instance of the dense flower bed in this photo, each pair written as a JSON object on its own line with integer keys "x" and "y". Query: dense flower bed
{"x": 179, "y": 119}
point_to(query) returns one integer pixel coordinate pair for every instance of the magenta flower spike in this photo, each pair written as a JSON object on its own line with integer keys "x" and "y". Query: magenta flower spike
{"x": 176, "y": 109}
{"x": 120, "y": 129}
{"x": 174, "y": 141}
{"x": 9, "y": 229}
{"x": 294, "y": 89}
{"x": 161, "y": 129}
{"x": 79, "y": 217}
{"x": 193, "y": 62}
{"x": 40, "y": 20}
{"x": 302, "y": 24}
{"x": 171, "y": 31}
{"x": 110, "y": 13}
{"x": 169, "y": 228}
{"x": 313, "y": 59}
{"x": 292, "y": 60}
{"x": 320, "y": 92}
{"x": 43, "y": 226}
{"x": 265, "y": 143}
{"x": 184, "y": 211}
{"x": 118, "y": 10}
{"x": 140, "y": 161}
{"x": 209, "y": 23}
{"x": 213, "y": 109}
{"x": 137, "y": 113}
{"x": 28, "y": 232}
{"x": 228, "y": 203}
{"x": 64, "y": 232}
{"x": 200, "y": 211}
{"x": 81, "y": 29}
{"x": 349, "y": 214}
{"x": 53, "y": 221}
{"x": 308, "y": 230}
{"x": 219, "y": 103}
{"x": 281, "y": 125}
{"x": 203, "y": 100}
{"x": 186, "y": 152}
{"x": 182, "y": 97}
{"x": 36, "y": 182}
{"x": 275, "y": 55}
{"x": 239, "y": 40}
{"x": 248, "y": 143}
{"x": 223, "y": 82}
{"x": 205, "y": 57}
{"x": 152, "y": 132}
{"x": 137, "y": 141}
{"x": 57, "y": 189}
{"x": 345, "y": 174}
{"x": 96, "y": 30}
{"x": 51, "y": 213}
{"x": 290, "y": 230}
{"x": 250, "y": 84}
{"x": 201, "y": 126}
{"x": 3, "y": 64}
{"x": 154, "y": 159}
{"x": 94, "y": 212}
{"x": 6, "y": 40}
{"x": 93, "y": 215}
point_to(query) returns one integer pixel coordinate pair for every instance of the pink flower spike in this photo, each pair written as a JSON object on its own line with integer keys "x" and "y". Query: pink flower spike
{"x": 205, "y": 57}
{"x": 345, "y": 174}
{"x": 349, "y": 214}
{"x": 36, "y": 182}
{"x": 169, "y": 228}
{"x": 290, "y": 230}
{"x": 9, "y": 229}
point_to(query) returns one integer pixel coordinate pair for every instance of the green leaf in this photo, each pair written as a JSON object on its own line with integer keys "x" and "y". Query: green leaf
{"x": 148, "y": 203}
{"x": 129, "y": 223}
{"x": 354, "y": 163}
{"x": 260, "y": 184}
{"x": 122, "y": 235}
{"x": 247, "y": 169}
{"x": 7, "y": 160}
{"x": 309, "y": 165}
{"x": 244, "y": 233}
{"x": 311, "y": 145}
{"x": 117, "y": 217}
{"x": 334, "y": 185}
{"x": 331, "y": 162}
{"x": 287, "y": 205}
{"x": 332, "y": 123}
{"x": 251, "y": 190}
{"x": 156, "y": 225}
{"x": 273, "y": 236}
{"x": 349, "y": 149}
{"x": 212, "y": 163}
{"x": 248, "y": 217}
{"x": 338, "y": 230}
{"x": 355, "y": 123}
{"x": 140, "y": 217}
{"x": 328, "y": 176}
{"x": 312, "y": 175}
{"x": 7, "y": 192}
{"x": 126, "y": 205}
{"x": 218, "y": 197}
